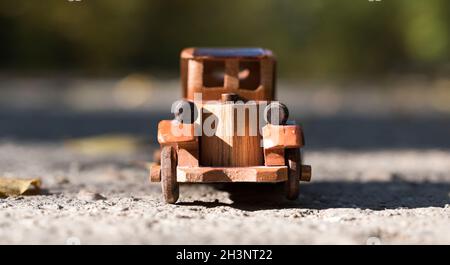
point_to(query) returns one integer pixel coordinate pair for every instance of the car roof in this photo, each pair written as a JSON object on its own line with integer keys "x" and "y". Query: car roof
{"x": 226, "y": 53}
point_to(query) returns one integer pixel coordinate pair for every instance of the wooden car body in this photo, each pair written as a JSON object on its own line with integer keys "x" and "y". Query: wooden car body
{"x": 223, "y": 84}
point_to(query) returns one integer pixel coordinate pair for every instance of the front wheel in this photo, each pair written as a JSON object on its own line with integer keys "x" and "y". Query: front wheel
{"x": 294, "y": 162}
{"x": 169, "y": 184}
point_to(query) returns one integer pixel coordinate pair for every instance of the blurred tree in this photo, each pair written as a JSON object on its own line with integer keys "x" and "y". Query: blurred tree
{"x": 313, "y": 39}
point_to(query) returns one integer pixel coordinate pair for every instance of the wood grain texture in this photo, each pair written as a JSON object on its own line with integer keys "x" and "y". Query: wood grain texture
{"x": 166, "y": 135}
{"x": 230, "y": 145}
{"x": 282, "y": 136}
{"x": 232, "y": 174}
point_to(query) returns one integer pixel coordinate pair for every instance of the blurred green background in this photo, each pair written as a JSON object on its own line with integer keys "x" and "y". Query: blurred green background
{"x": 316, "y": 39}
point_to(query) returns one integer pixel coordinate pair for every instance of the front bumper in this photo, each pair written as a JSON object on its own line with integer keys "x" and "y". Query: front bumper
{"x": 267, "y": 174}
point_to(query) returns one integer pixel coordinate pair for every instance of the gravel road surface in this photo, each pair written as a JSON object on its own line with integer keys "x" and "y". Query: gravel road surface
{"x": 376, "y": 180}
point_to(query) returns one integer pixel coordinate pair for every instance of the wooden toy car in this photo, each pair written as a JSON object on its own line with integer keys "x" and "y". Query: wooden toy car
{"x": 232, "y": 83}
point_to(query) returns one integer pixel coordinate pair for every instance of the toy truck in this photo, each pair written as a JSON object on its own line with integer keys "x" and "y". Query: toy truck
{"x": 212, "y": 138}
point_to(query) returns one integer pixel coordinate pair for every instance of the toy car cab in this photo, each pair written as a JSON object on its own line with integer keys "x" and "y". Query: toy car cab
{"x": 228, "y": 126}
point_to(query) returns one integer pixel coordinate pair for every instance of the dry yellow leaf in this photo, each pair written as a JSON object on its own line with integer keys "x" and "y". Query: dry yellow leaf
{"x": 14, "y": 187}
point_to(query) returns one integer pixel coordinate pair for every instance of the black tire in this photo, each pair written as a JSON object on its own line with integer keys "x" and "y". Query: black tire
{"x": 169, "y": 184}
{"x": 294, "y": 162}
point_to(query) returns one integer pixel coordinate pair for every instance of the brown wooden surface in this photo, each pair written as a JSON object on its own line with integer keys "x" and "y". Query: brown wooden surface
{"x": 156, "y": 177}
{"x": 196, "y": 76}
{"x": 232, "y": 174}
{"x": 226, "y": 148}
{"x": 306, "y": 173}
{"x": 282, "y": 136}
{"x": 167, "y": 127}
{"x": 155, "y": 173}
{"x": 274, "y": 157}
{"x": 169, "y": 184}
{"x": 231, "y": 78}
{"x": 215, "y": 93}
{"x": 188, "y": 154}
{"x": 294, "y": 161}
{"x": 184, "y": 76}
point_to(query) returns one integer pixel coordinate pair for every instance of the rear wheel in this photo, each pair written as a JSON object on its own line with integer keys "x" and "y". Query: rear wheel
{"x": 294, "y": 162}
{"x": 169, "y": 184}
